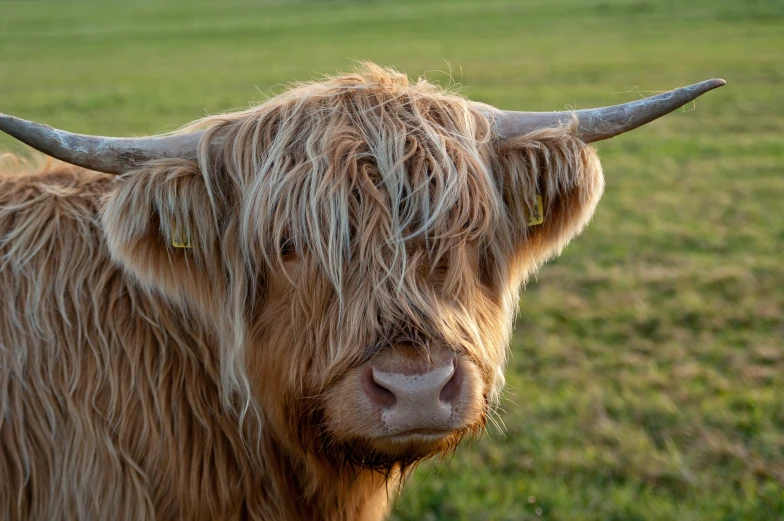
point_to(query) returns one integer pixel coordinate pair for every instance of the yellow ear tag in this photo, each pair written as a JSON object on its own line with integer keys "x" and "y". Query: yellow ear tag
{"x": 538, "y": 216}
{"x": 180, "y": 240}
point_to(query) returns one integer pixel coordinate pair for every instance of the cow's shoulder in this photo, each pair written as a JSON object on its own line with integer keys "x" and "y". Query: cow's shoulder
{"x": 50, "y": 181}
{"x": 50, "y": 220}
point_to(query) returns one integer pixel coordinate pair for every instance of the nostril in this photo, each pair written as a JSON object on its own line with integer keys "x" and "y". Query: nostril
{"x": 377, "y": 393}
{"x": 452, "y": 388}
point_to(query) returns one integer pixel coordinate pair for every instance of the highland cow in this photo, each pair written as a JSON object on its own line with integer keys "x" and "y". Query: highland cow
{"x": 273, "y": 314}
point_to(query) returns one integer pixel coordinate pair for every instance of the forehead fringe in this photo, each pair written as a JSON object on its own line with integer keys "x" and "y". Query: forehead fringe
{"x": 361, "y": 167}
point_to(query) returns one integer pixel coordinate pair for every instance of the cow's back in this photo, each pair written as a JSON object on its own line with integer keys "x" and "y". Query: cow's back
{"x": 108, "y": 398}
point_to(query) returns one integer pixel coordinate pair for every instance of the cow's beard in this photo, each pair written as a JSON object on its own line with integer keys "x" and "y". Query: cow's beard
{"x": 386, "y": 455}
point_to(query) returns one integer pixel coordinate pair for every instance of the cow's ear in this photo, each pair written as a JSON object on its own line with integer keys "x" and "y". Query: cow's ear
{"x": 161, "y": 227}
{"x": 557, "y": 171}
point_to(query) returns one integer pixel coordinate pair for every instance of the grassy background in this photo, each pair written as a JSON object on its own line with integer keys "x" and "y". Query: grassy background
{"x": 647, "y": 378}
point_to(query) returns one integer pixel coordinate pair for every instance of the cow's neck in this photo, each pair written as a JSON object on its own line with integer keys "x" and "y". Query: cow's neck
{"x": 316, "y": 490}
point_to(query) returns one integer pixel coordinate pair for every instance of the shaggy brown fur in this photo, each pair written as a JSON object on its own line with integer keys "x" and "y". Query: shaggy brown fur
{"x": 139, "y": 381}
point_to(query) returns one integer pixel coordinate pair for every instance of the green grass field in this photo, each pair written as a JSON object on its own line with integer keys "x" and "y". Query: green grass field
{"x": 647, "y": 372}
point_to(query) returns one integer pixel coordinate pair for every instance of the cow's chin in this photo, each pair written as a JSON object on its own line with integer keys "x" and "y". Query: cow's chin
{"x": 399, "y": 451}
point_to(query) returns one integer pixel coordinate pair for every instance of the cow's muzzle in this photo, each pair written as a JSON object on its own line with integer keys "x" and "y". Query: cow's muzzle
{"x": 415, "y": 398}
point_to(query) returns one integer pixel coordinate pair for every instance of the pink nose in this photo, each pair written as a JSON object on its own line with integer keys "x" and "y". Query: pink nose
{"x": 414, "y": 401}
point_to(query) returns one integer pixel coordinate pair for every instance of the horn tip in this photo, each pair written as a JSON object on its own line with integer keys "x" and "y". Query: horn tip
{"x": 715, "y": 83}
{"x": 698, "y": 89}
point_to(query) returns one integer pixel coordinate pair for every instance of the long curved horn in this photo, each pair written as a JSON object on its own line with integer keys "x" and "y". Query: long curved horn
{"x": 603, "y": 123}
{"x": 111, "y": 155}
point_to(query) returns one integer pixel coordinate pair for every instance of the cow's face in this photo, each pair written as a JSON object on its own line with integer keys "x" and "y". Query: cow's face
{"x": 381, "y": 248}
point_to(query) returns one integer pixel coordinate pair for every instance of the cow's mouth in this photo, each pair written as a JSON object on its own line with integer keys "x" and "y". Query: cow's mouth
{"x": 419, "y": 441}
{"x": 435, "y": 433}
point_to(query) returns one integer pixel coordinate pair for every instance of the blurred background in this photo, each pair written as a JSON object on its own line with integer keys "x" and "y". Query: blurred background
{"x": 647, "y": 371}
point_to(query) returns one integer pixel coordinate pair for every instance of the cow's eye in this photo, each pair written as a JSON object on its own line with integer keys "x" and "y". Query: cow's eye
{"x": 287, "y": 251}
